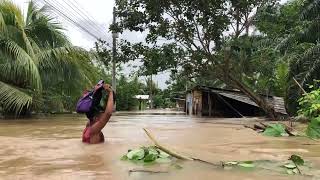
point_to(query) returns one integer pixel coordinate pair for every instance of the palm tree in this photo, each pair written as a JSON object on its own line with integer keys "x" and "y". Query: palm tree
{"x": 305, "y": 66}
{"x": 35, "y": 56}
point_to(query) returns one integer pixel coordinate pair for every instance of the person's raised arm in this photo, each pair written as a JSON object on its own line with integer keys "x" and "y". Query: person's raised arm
{"x": 105, "y": 116}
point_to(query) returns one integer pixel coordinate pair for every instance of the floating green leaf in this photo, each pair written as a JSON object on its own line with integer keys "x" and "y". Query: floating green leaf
{"x": 152, "y": 151}
{"x": 147, "y": 156}
{"x": 150, "y": 157}
{"x": 136, "y": 154}
{"x": 290, "y": 166}
{"x": 247, "y": 164}
{"x": 297, "y": 160}
{"x": 289, "y": 171}
{"x": 275, "y": 130}
{"x": 296, "y": 171}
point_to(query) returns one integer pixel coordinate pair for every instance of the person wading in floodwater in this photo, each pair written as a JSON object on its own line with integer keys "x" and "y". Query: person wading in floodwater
{"x": 98, "y": 117}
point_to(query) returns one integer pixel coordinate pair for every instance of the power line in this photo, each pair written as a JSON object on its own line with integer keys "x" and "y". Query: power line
{"x": 79, "y": 7}
{"x": 84, "y": 22}
{"x": 84, "y": 17}
{"x": 65, "y": 16}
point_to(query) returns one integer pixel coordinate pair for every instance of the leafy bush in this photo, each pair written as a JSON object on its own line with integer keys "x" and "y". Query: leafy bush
{"x": 313, "y": 130}
{"x": 310, "y": 108}
{"x": 275, "y": 130}
{"x": 310, "y": 104}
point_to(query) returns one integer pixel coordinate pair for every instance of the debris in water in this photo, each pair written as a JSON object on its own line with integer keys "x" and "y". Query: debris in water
{"x": 147, "y": 155}
{"x": 274, "y": 130}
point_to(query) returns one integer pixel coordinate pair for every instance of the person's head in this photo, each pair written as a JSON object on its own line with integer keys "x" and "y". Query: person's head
{"x": 96, "y": 108}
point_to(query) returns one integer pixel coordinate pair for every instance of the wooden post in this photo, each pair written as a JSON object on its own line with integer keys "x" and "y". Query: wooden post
{"x": 229, "y": 105}
{"x": 209, "y": 104}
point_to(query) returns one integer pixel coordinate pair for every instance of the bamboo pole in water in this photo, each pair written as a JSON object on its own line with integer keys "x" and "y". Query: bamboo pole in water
{"x": 178, "y": 155}
{"x": 165, "y": 149}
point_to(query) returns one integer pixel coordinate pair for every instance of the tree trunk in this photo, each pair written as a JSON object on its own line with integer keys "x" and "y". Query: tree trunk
{"x": 264, "y": 105}
{"x": 237, "y": 23}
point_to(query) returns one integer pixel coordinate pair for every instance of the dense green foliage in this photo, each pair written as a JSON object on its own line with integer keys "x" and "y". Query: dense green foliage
{"x": 126, "y": 90}
{"x": 268, "y": 44}
{"x": 195, "y": 31}
{"x": 310, "y": 104}
{"x": 40, "y": 69}
{"x": 310, "y": 108}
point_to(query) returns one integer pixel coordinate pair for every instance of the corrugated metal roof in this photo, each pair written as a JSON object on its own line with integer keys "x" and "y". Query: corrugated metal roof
{"x": 277, "y": 102}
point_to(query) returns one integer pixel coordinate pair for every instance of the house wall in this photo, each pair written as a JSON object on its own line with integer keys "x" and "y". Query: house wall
{"x": 189, "y": 104}
{"x": 197, "y": 102}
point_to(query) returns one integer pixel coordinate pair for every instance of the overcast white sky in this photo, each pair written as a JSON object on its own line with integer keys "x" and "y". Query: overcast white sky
{"x": 100, "y": 11}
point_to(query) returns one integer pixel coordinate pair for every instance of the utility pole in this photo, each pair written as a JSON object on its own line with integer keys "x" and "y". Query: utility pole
{"x": 114, "y": 54}
{"x": 151, "y": 93}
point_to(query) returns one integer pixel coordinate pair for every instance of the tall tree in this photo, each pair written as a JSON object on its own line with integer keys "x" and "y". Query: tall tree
{"x": 197, "y": 28}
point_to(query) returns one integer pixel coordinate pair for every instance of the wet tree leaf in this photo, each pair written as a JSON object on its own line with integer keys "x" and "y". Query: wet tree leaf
{"x": 246, "y": 165}
{"x": 289, "y": 171}
{"x": 296, "y": 171}
{"x": 136, "y": 154}
{"x": 150, "y": 157}
{"x": 153, "y": 151}
{"x": 297, "y": 160}
{"x": 275, "y": 130}
{"x": 290, "y": 166}
{"x": 247, "y": 162}
{"x": 313, "y": 130}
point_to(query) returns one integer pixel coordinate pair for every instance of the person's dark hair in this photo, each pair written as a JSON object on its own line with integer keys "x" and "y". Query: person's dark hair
{"x": 96, "y": 106}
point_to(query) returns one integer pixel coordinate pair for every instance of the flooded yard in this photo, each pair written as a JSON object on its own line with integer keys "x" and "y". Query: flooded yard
{"x": 51, "y": 148}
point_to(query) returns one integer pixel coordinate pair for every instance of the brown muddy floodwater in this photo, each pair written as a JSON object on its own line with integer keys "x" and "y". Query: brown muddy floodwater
{"x": 51, "y": 148}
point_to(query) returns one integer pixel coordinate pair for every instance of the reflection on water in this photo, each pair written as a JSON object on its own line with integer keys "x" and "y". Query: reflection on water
{"x": 51, "y": 148}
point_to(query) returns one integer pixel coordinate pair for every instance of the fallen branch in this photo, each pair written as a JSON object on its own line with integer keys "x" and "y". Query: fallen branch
{"x": 304, "y": 91}
{"x": 177, "y": 155}
{"x": 261, "y": 127}
{"x": 146, "y": 171}
{"x": 210, "y": 163}
{"x": 165, "y": 149}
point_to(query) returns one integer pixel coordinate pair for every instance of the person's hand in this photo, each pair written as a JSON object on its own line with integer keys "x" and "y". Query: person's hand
{"x": 107, "y": 87}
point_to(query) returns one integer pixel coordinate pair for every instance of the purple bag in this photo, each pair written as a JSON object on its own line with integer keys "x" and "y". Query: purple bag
{"x": 84, "y": 104}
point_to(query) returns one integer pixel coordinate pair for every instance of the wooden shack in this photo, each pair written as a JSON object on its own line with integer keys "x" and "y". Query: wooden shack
{"x": 209, "y": 101}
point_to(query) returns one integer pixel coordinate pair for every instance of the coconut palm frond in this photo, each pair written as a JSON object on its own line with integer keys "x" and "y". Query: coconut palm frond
{"x": 307, "y": 66}
{"x": 44, "y": 29}
{"x": 2, "y": 24}
{"x": 311, "y": 64}
{"x": 22, "y": 62}
{"x": 311, "y": 10}
{"x": 13, "y": 98}
{"x": 11, "y": 13}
